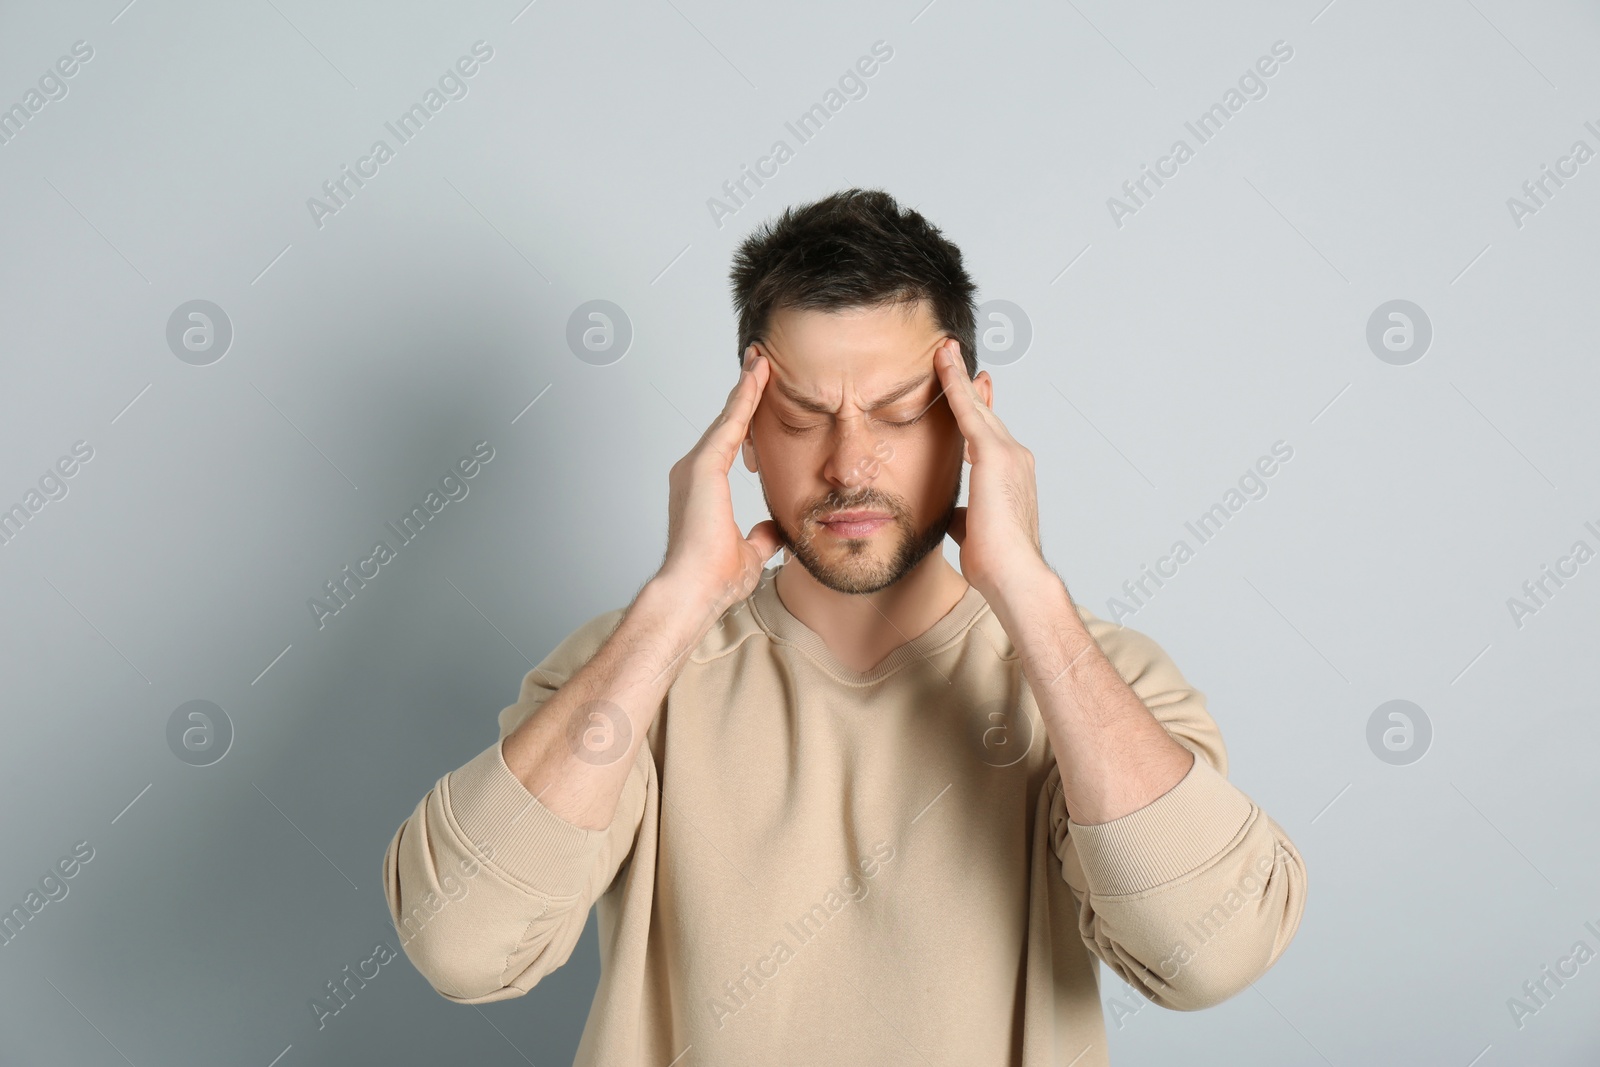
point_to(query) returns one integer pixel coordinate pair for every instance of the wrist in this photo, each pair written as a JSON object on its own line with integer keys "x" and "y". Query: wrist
{"x": 1031, "y": 583}
{"x": 684, "y": 608}
{"x": 1036, "y": 606}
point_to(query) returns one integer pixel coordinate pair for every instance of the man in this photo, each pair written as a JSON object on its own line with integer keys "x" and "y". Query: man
{"x": 862, "y": 807}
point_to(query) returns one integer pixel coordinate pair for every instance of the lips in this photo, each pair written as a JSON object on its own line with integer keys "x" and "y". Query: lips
{"x": 856, "y": 524}
{"x": 856, "y": 516}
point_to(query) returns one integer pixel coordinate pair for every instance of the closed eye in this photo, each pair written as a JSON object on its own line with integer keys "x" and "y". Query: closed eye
{"x": 887, "y": 422}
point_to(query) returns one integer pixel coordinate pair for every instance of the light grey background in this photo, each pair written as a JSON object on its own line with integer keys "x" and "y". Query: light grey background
{"x": 1168, "y": 355}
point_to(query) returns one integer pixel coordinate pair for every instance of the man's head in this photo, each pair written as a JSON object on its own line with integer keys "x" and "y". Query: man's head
{"x": 849, "y": 298}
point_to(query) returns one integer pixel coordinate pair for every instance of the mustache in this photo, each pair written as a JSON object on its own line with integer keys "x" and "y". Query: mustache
{"x": 865, "y": 501}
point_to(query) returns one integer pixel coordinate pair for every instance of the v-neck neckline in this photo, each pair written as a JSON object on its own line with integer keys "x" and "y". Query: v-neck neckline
{"x": 778, "y": 621}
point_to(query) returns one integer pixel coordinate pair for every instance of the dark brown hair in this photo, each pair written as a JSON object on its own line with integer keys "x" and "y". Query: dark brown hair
{"x": 855, "y": 249}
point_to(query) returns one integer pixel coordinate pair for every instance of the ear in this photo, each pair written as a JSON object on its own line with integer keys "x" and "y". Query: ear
{"x": 747, "y": 448}
{"x": 985, "y": 387}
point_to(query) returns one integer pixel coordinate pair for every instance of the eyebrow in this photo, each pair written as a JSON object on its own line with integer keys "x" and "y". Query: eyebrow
{"x": 812, "y": 403}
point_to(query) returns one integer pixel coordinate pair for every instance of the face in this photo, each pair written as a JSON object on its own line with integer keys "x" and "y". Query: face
{"x": 853, "y": 419}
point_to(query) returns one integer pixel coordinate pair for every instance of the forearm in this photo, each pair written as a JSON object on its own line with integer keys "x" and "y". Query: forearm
{"x": 1115, "y": 756}
{"x": 572, "y": 754}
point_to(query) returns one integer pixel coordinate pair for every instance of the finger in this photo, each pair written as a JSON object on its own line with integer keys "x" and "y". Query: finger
{"x": 745, "y": 402}
{"x": 965, "y": 386}
{"x": 723, "y": 436}
{"x": 965, "y": 403}
{"x": 958, "y": 526}
{"x": 765, "y": 540}
{"x": 733, "y": 395}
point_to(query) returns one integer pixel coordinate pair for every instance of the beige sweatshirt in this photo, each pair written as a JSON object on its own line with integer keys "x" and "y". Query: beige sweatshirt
{"x": 811, "y": 865}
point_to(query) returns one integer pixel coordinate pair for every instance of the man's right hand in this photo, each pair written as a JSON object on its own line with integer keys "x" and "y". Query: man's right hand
{"x": 578, "y": 749}
{"x": 706, "y": 555}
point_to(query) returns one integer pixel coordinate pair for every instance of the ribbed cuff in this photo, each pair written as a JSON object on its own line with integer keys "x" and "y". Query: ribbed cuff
{"x": 528, "y": 841}
{"x": 1178, "y": 832}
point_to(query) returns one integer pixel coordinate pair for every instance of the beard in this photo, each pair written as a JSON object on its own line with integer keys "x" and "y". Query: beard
{"x": 858, "y": 565}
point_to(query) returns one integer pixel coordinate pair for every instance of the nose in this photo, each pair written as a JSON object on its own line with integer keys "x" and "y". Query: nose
{"x": 856, "y": 454}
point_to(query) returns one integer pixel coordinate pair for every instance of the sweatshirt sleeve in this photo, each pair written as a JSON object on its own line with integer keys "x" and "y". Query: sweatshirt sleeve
{"x": 1193, "y": 897}
{"x": 488, "y": 889}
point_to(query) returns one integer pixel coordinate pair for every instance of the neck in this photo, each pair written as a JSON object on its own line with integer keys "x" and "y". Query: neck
{"x": 862, "y": 628}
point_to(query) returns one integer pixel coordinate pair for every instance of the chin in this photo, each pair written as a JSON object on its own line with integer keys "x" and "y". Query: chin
{"x": 854, "y": 581}
{"x": 860, "y": 567}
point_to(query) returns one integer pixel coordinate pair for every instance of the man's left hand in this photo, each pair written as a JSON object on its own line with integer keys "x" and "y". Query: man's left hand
{"x": 998, "y": 530}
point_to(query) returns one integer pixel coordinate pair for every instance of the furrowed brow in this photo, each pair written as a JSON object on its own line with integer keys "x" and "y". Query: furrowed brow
{"x": 811, "y": 403}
